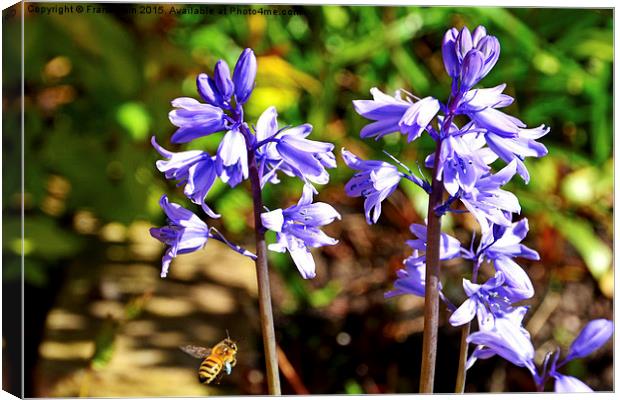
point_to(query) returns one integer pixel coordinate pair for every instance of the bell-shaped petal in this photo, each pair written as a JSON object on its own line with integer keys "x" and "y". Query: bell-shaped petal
{"x": 195, "y": 119}
{"x": 184, "y": 233}
{"x": 386, "y": 110}
{"x": 476, "y": 100}
{"x": 244, "y": 76}
{"x": 449, "y": 247}
{"x": 298, "y": 229}
{"x": 518, "y": 282}
{"x": 465, "y": 313}
{"x": 375, "y": 181}
{"x": 196, "y": 169}
{"x": 411, "y": 279}
{"x": 569, "y": 384}
{"x": 418, "y": 116}
{"x": 232, "y": 158}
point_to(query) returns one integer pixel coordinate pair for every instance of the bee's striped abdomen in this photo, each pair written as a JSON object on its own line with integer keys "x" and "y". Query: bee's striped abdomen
{"x": 209, "y": 370}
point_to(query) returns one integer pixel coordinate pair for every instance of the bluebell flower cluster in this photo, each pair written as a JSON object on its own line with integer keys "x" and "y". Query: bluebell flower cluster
{"x": 465, "y": 154}
{"x": 271, "y": 149}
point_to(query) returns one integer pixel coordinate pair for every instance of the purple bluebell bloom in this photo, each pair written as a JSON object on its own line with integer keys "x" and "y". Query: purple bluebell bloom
{"x": 232, "y": 158}
{"x": 488, "y": 203}
{"x": 449, "y": 247}
{"x": 184, "y": 233}
{"x": 518, "y": 147}
{"x": 418, "y": 116}
{"x": 306, "y": 159}
{"x": 594, "y": 335}
{"x": 469, "y": 57}
{"x": 505, "y": 241}
{"x": 376, "y": 180}
{"x": 195, "y": 169}
{"x": 386, "y": 110}
{"x": 297, "y": 230}
{"x": 218, "y": 90}
{"x": 195, "y": 119}
{"x": 393, "y": 114}
{"x": 477, "y": 100}
{"x": 244, "y": 75}
{"x": 502, "y": 243}
{"x": 507, "y": 339}
{"x": 462, "y": 160}
{"x": 411, "y": 279}
{"x": 289, "y": 151}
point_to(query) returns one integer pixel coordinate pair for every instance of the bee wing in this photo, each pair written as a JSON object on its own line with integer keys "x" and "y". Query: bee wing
{"x": 196, "y": 351}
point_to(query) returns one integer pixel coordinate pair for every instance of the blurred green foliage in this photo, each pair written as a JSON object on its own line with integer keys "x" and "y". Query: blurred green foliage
{"x": 99, "y": 86}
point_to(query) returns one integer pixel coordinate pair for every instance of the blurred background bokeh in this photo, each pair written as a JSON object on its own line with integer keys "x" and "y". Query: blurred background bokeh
{"x": 100, "y": 322}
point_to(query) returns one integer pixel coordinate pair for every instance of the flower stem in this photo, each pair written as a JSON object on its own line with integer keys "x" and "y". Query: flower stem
{"x": 431, "y": 296}
{"x": 262, "y": 273}
{"x": 461, "y": 375}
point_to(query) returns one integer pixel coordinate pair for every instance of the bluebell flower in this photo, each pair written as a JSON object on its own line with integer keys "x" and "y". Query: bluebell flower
{"x": 594, "y": 335}
{"x": 462, "y": 160}
{"x": 195, "y": 169}
{"x": 289, "y": 151}
{"x": 418, "y": 116}
{"x": 393, "y": 114}
{"x": 501, "y": 244}
{"x": 195, "y": 119}
{"x": 477, "y": 100}
{"x": 184, "y": 233}
{"x": 376, "y": 180}
{"x": 449, "y": 246}
{"x": 505, "y": 338}
{"x": 411, "y": 279}
{"x": 244, "y": 76}
{"x": 492, "y": 300}
{"x": 469, "y": 57}
{"x": 505, "y": 135}
{"x": 297, "y": 230}
{"x": 232, "y": 158}
{"x": 516, "y": 148}
{"x": 267, "y": 157}
{"x": 218, "y": 90}
{"x": 505, "y": 241}
{"x": 488, "y": 203}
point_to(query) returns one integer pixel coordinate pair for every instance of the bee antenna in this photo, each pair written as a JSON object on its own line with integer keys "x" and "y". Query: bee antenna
{"x": 227, "y": 335}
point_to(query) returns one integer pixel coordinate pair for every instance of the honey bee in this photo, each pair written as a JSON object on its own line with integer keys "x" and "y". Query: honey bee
{"x": 217, "y": 360}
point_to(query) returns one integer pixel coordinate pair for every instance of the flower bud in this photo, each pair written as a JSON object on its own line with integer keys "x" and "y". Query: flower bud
{"x": 244, "y": 75}
{"x": 470, "y": 72}
{"x": 207, "y": 90}
{"x": 223, "y": 83}
{"x": 448, "y": 51}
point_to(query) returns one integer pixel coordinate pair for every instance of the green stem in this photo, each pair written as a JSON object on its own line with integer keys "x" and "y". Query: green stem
{"x": 264, "y": 292}
{"x": 431, "y": 296}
